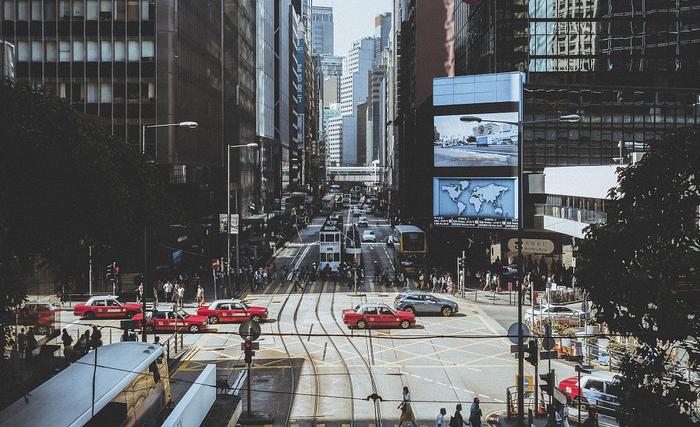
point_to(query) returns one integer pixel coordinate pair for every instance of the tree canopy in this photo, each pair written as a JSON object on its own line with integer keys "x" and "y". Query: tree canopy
{"x": 640, "y": 270}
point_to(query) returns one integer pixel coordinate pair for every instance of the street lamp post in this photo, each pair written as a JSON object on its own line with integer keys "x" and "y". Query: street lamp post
{"x": 228, "y": 215}
{"x": 188, "y": 125}
{"x": 569, "y": 118}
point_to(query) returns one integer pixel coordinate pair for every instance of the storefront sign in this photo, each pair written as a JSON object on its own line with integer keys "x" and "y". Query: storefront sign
{"x": 532, "y": 246}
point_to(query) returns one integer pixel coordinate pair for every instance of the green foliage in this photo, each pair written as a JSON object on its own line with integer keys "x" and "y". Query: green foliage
{"x": 66, "y": 179}
{"x": 640, "y": 269}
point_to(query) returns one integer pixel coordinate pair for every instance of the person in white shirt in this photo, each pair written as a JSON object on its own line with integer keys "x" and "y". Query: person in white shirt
{"x": 440, "y": 420}
{"x": 167, "y": 289}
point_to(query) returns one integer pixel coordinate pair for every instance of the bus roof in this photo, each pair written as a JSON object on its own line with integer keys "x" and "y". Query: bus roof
{"x": 407, "y": 229}
{"x": 65, "y": 399}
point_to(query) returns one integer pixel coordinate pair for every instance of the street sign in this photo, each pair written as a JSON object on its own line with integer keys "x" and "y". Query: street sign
{"x": 513, "y": 332}
{"x": 559, "y": 396}
{"x": 254, "y": 346}
{"x": 223, "y": 219}
{"x": 548, "y": 343}
{"x": 528, "y": 383}
{"x": 532, "y": 246}
{"x": 250, "y": 329}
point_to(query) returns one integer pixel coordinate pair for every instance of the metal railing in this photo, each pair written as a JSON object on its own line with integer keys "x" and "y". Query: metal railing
{"x": 172, "y": 344}
{"x": 570, "y": 213}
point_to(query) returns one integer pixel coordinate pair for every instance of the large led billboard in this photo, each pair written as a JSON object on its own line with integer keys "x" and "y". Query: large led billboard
{"x": 489, "y": 142}
{"x": 476, "y": 150}
{"x": 475, "y": 202}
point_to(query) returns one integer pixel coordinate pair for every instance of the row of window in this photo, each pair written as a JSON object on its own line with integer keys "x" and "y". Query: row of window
{"x": 92, "y": 10}
{"x": 78, "y": 50}
{"x": 94, "y": 92}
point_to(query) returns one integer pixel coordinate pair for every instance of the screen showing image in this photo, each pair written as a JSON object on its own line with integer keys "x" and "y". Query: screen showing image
{"x": 475, "y": 202}
{"x": 459, "y": 144}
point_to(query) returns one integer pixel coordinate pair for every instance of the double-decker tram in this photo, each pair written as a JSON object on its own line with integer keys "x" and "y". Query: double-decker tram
{"x": 330, "y": 241}
{"x": 122, "y": 384}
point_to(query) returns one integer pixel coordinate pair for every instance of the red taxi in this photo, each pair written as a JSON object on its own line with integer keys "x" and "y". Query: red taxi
{"x": 106, "y": 307}
{"x": 231, "y": 311}
{"x": 377, "y": 316}
{"x": 171, "y": 321}
{"x": 40, "y": 315}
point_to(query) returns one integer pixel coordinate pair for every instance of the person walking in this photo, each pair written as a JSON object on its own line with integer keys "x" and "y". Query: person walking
{"x": 475, "y": 414}
{"x": 440, "y": 420}
{"x": 67, "y": 345}
{"x": 167, "y": 290}
{"x": 457, "y": 420}
{"x": 181, "y": 296}
{"x": 95, "y": 338}
{"x": 21, "y": 343}
{"x": 406, "y": 410}
{"x": 200, "y": 296}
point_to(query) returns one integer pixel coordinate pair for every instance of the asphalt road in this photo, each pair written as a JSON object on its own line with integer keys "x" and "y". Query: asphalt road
{"x": 312, "y": 370}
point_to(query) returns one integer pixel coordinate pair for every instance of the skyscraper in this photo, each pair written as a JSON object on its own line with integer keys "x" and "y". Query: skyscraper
{"x": 322, "y": 30}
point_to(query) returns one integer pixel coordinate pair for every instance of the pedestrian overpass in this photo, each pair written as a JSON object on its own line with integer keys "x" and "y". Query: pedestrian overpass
{"x": 365, "y": 174}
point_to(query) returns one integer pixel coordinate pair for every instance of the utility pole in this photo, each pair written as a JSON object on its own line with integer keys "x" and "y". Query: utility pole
{"x": 90, "y": 269}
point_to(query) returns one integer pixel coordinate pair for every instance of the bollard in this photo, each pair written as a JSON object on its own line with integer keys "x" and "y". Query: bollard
{"x": 175, "y": 342}
{"x": 167, "y": 349}
{"x": 110, "y": 335}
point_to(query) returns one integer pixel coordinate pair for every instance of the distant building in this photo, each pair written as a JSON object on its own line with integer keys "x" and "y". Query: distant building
{"x": 7, "y": 60}
{"x": 322, "y": 30}
{"x": 334, "y": 132}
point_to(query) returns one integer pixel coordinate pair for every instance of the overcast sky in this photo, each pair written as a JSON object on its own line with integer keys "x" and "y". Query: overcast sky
{"x": 354, "y": 19}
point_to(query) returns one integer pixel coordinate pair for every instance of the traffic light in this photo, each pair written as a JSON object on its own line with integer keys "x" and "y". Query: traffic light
{"x": 248, "y": 348}
{"x": 117, "y": 269}
{"x": 547, "y": 382}
{"x": 532, "y": 352}
{"x": 110, "y": 271}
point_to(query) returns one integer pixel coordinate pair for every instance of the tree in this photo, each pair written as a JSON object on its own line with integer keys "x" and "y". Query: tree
{"x": 640, "y": 269}
{"x": 65, "y": 179}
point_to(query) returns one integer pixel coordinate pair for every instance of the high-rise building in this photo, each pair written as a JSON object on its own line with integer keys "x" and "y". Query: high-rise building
{"x": 353, "y": 91}
{"x": 382, "y": 34}
{"x": 135, "y": 63}
{"x": 7, "y": 60}
{"x": 322, "y": 30}
{"x": 334, "y": 132}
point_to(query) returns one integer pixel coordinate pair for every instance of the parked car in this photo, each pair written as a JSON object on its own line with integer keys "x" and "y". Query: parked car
{"x": 40, "y": 315}
{"x": 171, "y": 321}
{"x": 106, "y": 307}
{"x": 231, "y": 311}
{"x": 371, "y": 315}
{"x": 369, "y": 236}
{"x": 362, "y": 222}
{"x": 425, "y": 303}
{"x": 555, "y": 311}
{"x": 596, "y": 390}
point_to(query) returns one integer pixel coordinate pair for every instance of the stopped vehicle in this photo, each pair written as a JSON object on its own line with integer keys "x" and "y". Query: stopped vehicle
{"x": 106, "y": 307}
{"x": 374, "y": 315}
{"x": 232, "y": 311}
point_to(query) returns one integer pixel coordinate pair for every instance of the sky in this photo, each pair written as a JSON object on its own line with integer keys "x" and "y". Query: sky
{"x": 354, "y": 19}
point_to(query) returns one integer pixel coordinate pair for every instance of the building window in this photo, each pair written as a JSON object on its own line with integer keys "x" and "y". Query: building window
{"x": 106, "y": 51}
{"x": 23, "y": 53}
{"x": 51, "y": 51}
{"x": 120, "y": 10}
{"x": 119, "y": 51}
{"x": 78, "y": 9}
{"x": 105, "y": 10}
{"x": 37, "y": 52}
{"x": 92, "y": 13}
{"x": 49, "y": 11}
{"x": 151, "y": 91}
{"x": 147, "y": 49}
{"x": 105, "y": 93}
{"x": 132, "y": 10}
{"x": 36, "y": 11}
{"x": 93, "y": 54}
{"x": 22, "y": 10}
{"x": 145, "y": 10}
{"x": 78, "y": 52}
{"x": 64, "y": 51}
{"x": 134, "y": 51}
{"x": 9, "y": 9}
{"x": 61, "y": 90}
{"x": 64, "y": 9}
{"x": 92, "y": 93}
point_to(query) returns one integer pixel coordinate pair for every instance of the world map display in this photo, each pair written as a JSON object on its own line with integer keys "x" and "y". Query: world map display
{"x": 486, "y": 199}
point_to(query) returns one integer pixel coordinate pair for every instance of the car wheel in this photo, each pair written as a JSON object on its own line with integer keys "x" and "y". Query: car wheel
{"x": 194, "y": 328}
{"x": 90, "y": 315}
{"x": 447, "y": 311}
{"x": 150, "y": 329}
{"x": 213, "y": 320}
{"x": 255, "y": 318}
{"x": 361, "y": 324}
{"x": 130, "y": 314}
{"x": 410, "y": 310}
{"x": 405, "y": 324}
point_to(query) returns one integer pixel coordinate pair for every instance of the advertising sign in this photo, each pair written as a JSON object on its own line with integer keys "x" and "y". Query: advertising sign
{"x": 475, "y": 202}
{"x": 476, "y": 144}
{"x": 476, "y": 150}
{"x": 223, "y": 220}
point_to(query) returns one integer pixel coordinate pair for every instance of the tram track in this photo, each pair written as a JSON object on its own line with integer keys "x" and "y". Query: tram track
{"x": 368, "y": 368}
